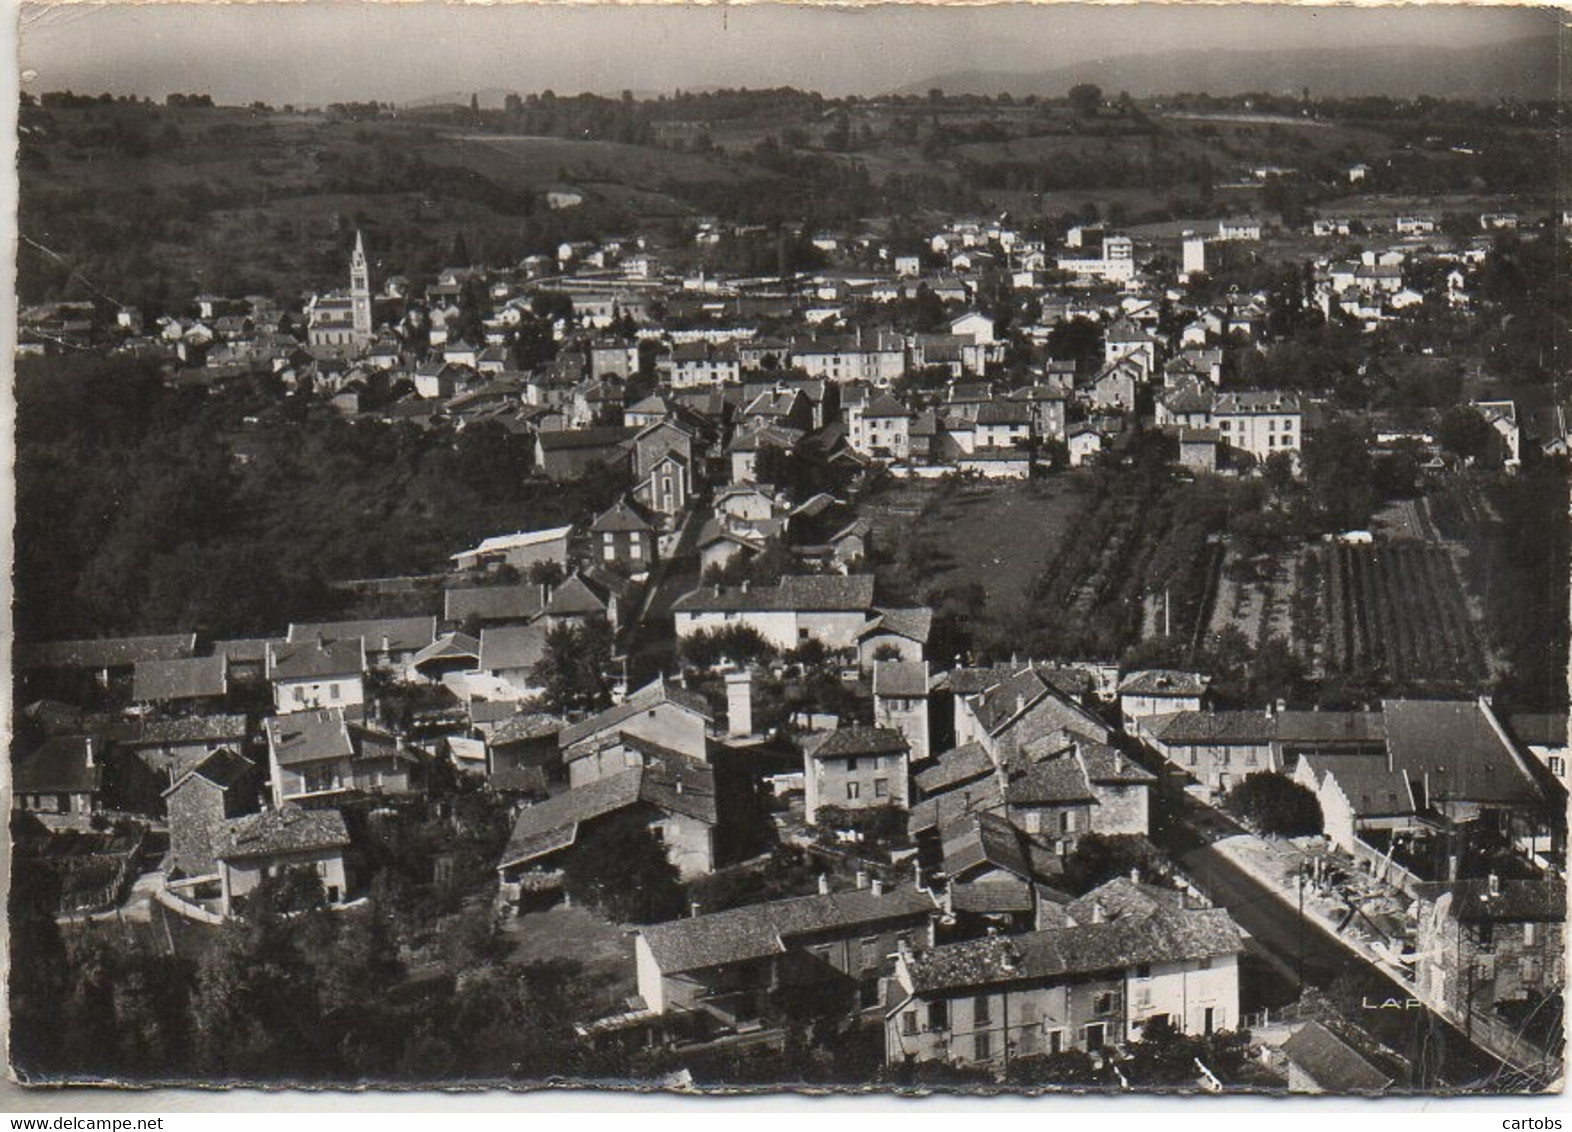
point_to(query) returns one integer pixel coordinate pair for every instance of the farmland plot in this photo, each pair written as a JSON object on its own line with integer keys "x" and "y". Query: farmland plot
{"x": 1397, "y": 609}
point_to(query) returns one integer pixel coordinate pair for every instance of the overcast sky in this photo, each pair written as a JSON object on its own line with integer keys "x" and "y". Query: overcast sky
{"x": 318, "y": 52}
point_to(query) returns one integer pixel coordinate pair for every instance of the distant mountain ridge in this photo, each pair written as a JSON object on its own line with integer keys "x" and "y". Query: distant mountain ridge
{"x": 1528, "y": 68}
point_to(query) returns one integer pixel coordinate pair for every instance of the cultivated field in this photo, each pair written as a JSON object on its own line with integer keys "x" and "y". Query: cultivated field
{"x": 996, "y": 536}
{"x": 1395, "y": 608}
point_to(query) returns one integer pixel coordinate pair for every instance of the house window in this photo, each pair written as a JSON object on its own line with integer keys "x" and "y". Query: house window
{"x": 851, "y": 766}
{"x": 1530, "y": 934}
{"x": 1211, "y": 1020}
{"x": 881, "y": 787}
{"x": 658, "y": 832}
{"x": 1055, "y": 1041}
{"x": 909, "y": 1022}
{"x": 300, "y": 694}
{"x": 980, "y": 1010}
{"x": 853, "y": 791}
{"x": 938, "y": 1015}
{"x": 1558, "y": 766}
{"x": 983, "y": 1046}
{"x": 870, "y": 952}
{"x": 1143, "y": 971}
{"x": 1194, "y": 756}
{"x": 1103, "y": 1003}
{"x": 333, "y": 691}
{"x": 802, "y": 634}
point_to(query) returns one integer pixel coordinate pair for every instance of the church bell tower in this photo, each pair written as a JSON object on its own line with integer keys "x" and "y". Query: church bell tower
{"x": 360, "y": 292}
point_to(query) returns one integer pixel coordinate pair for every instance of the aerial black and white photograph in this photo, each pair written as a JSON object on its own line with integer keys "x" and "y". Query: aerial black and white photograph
{"x": 1015, "y": 548}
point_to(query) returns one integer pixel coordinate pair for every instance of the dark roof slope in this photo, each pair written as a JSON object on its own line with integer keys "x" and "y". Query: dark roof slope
{"x": 1332, "y": 1063}
{"x": 760, "y": 930}
{"x": 1452, "y": 745}
{"x": 62, "y": 765}
{"x": 108, "y": 652}
{"x": 659, "y": 691}
{"x": 283, "y": 831}
{"x": 187, "y": 678}
{"x": 803, "y": 593}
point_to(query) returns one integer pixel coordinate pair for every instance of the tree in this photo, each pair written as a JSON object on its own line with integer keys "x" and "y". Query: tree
{"x": 1085, "y": 98}
{"x": 1464, "y": 432}
{"x": 618, "y": 867}
{"x": 574, "y": 666}
{"x": 739, "y": 644}
{"x": 1275, "y": 804}
{"x": 1099, "y": 858}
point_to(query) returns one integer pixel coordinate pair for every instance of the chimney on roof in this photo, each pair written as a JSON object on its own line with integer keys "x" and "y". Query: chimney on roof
{"x": 87, "y": 748}
{"x": 739, "y": 703}
{"x": 387, "y": 643}
{"x": 1099, "y": 914}
{"x": 1135, "y": 875}
{"x": 862, "y": 878}
{"x": 824, "y": 884}
{"x": 693, "y": 909}
{"x": 878, "y": 887}
{"x": 1493, "y": 885}
{"x": 1118, "y": 762}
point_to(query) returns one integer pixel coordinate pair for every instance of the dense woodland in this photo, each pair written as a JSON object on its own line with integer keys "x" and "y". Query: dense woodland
{"x": 196, "y": 539}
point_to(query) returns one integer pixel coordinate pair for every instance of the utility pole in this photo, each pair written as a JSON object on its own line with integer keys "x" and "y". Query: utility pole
{"x": 1301, "y": 968}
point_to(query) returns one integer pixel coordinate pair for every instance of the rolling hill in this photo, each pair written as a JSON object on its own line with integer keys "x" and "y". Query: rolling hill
{"x": 1524, "y": 68}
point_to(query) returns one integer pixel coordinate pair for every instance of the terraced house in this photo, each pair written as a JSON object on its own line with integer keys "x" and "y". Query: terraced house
{"x": 1126, "y": 956}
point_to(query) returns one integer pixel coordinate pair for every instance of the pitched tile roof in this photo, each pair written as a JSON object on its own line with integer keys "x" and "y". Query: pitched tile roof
{"x": 1331, "y": 728}
{"x": 1452, "y": 744}
{"x": 512, "y": 647}
{"x": 903, "y": 678}
{"x": 284, "y": 831}
{"x": 190, "y": 678}
{"x": 493, "y": 603}
{"x": 62, "y": 765}
{"x": 314, "y": 659}
{"x": 250, "y": 650}
{"x": 526, "y": 726}
{"x": 959, "y": 764}
{"x": 656, "y": 692}
{"x": 856, "y": 741}
{"x": 449, "y": 646}
{"x": 189, "y": 729}
{"x": 1036, "y": 957}
{"x": 1372, "y": 788}
{"x": 1056, "y": 781}
{"x": 107, "y": 652}
{"x": 223, "y": 768}
{"x": 1332, "y": 1063}
{"x": 621, "y": 516}
{"x": 1163, "y": 682}
{"x": 575, "y": 598}
{"x": 802, "y": 593}
{"x": 686, "y": 787}
{"x": 914, "y": 624}
{"x": 1221, "y": 728}
{"x": 309, "y": 736}
{"x": 403, "y": 634}
{"x": 757, "y": 931}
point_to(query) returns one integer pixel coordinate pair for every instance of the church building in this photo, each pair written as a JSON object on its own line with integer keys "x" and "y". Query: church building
{"x": 340, "y": 321}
